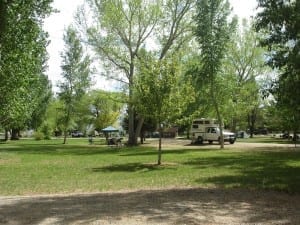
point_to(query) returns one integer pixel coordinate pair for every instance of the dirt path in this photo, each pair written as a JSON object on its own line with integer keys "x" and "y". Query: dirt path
{"x": 173, "y": 206}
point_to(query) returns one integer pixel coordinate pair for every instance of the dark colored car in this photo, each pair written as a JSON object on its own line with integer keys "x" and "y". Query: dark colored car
{"x": 77, "y": 134}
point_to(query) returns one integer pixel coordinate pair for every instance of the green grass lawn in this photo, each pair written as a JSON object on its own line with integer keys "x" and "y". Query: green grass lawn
{"x": 40, "y": 167}
{"x": 266, "y": 139}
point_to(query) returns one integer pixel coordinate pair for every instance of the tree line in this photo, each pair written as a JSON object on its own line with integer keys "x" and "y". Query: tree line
{"x": 176, "y": 60}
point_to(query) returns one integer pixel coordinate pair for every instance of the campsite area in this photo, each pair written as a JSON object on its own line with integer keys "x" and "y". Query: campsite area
{"x": 246, "y": 183}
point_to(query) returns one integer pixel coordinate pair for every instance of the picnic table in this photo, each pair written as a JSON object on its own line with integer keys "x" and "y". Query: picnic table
{"x": 115, "y": 142}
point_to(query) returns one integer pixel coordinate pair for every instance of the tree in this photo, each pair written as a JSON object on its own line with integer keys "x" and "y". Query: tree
{"x": 162, "y": 93}
{"x": 53, "y": 116}
{"x": 105, "y": 107}
{"x": 244, "y": 64}
{"x": 44, "y": 95}
{"x": 213, "y": 34}
{"x": 22, "y": 60}
{"x": 124, "y": 28}
{"x": 76, "y": 74}
{"x": 279, "y": 22}
{"x": 201, "y": 106}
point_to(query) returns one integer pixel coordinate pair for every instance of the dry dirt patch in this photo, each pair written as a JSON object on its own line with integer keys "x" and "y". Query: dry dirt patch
{"x": 172, "y": 206}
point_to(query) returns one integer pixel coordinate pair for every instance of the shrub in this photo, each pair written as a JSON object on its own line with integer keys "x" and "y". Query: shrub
{"x": 46, "y": 130}
{"x": 38, "y": 136}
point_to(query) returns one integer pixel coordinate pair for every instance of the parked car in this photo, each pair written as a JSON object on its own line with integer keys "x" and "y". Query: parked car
{"x": 242, "y": 134}
{"x": 287, "y": 136}
{"x": 77, "y": 134}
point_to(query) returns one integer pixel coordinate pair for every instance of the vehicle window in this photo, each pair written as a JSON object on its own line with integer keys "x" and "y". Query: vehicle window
{"x": 195, "y": 126}
{"x": 207, "y": 122}
{"x": 198, "y": 122}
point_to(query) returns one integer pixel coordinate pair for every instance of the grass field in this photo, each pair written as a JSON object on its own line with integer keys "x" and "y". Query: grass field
{"x": 43, "y": 167}
{"x": 267, "y": 139}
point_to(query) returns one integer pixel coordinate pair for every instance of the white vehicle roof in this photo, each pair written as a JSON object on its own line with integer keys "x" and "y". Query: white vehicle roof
{"x": 205, "y": 121}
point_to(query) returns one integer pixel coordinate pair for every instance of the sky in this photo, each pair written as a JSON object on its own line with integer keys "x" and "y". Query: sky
{"x": 57, "y": 22}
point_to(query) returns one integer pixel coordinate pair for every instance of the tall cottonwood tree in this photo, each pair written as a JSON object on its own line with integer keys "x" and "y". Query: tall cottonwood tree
{"x": 23, "y": 60}
{"x": 213, "y": 30}
{"x": 244, "y": 64}
{"x": 123, "y": 28}
{"x": 76, "y": 76}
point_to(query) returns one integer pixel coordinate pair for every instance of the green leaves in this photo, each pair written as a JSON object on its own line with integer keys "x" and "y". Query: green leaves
{"x": 23, "y": 59}
{"x": 213, "y": 32}
{"x": 279, "y": 22}
{"x": 160, "y": 91}
{"x": 76, "y": 74}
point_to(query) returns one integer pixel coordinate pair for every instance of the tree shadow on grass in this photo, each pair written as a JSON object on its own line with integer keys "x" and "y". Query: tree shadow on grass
{"x": 134, "y": 167}
{"x": 151, "y": 151}
{"x": 260, "y": 170}
{"x": 171, "y": 206}
{"x": 60, "y": 149}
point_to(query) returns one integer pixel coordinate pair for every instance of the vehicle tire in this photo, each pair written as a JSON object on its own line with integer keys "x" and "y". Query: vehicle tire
{"x": 200, "y": 140}
{"x": 231, "y": 141}
{"x": 210, "y": 142}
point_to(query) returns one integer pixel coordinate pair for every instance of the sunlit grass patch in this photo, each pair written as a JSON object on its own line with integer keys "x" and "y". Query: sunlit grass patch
{"x": 40, "y": 167}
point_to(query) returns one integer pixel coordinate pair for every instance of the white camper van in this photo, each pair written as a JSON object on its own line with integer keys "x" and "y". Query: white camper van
{"x": 208, "y": 130}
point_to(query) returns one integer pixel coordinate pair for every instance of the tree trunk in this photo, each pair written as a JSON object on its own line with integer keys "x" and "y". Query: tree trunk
{"x": 131, "y": 133}
{"x": 66, "y": 125}
{"x": 15, "y": 134}
{"x": 251, "y": 121}
{"x": 159, "y": 146}
{"x": 216, "y": 106}
{"x": 220, "y": 128}
{"x": 139, "y": 128}
{"x": 142, "y": 138}
{"x": 65, "y": 137}
{"x": 132, "y": 138}
{"x": 6, "y": 135}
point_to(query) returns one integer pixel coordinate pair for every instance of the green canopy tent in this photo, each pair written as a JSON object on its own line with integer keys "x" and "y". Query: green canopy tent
{"x": 109, "y": 129}
{"x": 107, "y": 132}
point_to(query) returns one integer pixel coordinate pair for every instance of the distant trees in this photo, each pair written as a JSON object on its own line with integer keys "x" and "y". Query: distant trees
{"x": 95, "y": 110}
{"x": 245, "y": 66}
{"x": 105, "y": 108}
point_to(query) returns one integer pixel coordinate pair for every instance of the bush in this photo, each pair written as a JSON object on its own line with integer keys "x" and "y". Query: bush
{"x": 46, "y": 130}
{"x": 38, "y": 136}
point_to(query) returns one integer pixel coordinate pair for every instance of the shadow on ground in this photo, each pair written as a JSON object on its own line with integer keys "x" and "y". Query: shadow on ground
{"x": 172, "y": 206}
{"x": 264, "y": 170}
